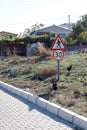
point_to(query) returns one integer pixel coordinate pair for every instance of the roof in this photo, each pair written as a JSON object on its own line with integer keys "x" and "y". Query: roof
{"x": 67, "y": 25}
{"x": 3, "y": 33}
{"x": 55, "y": 26}
{"x": 55, "y": 29}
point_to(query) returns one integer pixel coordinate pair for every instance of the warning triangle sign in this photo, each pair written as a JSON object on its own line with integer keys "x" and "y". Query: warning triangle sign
{"x": 58, "y": 44}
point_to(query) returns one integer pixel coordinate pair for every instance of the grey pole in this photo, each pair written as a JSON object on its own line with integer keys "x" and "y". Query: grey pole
{"x": 58, "y": 70}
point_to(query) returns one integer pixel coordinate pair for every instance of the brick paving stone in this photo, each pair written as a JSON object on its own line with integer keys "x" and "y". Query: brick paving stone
{"x": 19, "y": 114}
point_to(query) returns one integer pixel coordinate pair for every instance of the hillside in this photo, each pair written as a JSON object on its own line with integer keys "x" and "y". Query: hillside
{"x": 35, "y": 75}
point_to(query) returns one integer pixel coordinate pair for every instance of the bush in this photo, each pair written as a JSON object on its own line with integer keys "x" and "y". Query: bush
{"x": 44, "y": 73}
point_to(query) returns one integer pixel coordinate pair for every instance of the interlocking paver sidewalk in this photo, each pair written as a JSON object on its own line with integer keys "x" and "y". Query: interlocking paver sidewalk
{"x": 19, "y": 114}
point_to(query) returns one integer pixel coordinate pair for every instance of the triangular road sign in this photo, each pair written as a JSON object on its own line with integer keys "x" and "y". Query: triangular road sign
{"x": 58, "y": 44}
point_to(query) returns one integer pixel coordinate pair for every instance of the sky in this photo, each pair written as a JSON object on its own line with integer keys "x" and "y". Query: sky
{"x": 17, "y": 15}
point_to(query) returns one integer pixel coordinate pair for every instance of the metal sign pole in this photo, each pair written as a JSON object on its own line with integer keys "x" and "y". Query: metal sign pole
{"x": 58, "y": 70}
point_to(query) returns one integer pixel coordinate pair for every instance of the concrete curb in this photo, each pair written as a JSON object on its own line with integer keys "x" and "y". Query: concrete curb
{"x": 63, "y": 113}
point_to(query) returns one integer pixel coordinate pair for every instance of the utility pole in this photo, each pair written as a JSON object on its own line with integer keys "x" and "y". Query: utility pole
{"x": 69, "y": 21}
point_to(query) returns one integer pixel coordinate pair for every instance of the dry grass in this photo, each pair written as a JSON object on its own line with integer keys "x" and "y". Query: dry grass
{"x": 45, "y": 72}
{"x": 42, "y": 50}
{"x": 72, "y": 89}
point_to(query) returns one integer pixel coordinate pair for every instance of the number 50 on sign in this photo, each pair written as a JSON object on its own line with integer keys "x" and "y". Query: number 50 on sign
{"x": 58, "y": 54}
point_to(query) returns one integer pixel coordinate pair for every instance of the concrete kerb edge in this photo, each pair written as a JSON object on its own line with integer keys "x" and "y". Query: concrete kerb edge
{"x": 63, "y": 113}
{"x": 80, "y": 121}
{"x": 53, "y": 108}
{"x": 42, "y": 103}
{"x": 66, "y": 114}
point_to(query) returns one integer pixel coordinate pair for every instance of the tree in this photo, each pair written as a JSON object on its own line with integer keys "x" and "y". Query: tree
{"x": 83, "y": 37}
{"x": 77, "y": 29}
{"x": 36, "y": 27}
{"x": 84, "y": 21}
{"x": 26, "y": 32}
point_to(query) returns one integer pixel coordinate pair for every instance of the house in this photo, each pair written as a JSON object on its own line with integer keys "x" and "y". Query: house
{"x": 63, "y": 32}
{"x": 7, "y": 34}
{"x": 67, "y": 25}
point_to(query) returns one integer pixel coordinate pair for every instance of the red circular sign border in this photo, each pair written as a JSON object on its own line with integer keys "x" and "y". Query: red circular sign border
{"x": 54, "y": 56}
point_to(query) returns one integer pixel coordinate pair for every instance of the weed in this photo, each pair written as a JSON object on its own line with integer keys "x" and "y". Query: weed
{"x": 85, "y": 94}
{"x": 85, "y": 83}
{"x": 71, "y": 103}
{"x": 77, "y": 93}
{"x": 42, "y": 50}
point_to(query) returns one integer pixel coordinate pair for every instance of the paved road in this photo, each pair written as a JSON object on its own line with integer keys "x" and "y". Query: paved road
{"x": 18, "y": 114}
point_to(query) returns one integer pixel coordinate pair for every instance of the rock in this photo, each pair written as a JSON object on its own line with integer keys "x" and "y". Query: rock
{"x": 13, "y": 71}
{"x": 23, "y": 86}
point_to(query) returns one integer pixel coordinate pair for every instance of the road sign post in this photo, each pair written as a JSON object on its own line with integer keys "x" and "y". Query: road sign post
{"x": 58, "y": 71}
{"x": 58, "y": 48}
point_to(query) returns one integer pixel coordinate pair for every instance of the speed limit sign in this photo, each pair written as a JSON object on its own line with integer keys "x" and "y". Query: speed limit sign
{"x": 58, "y": 54}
